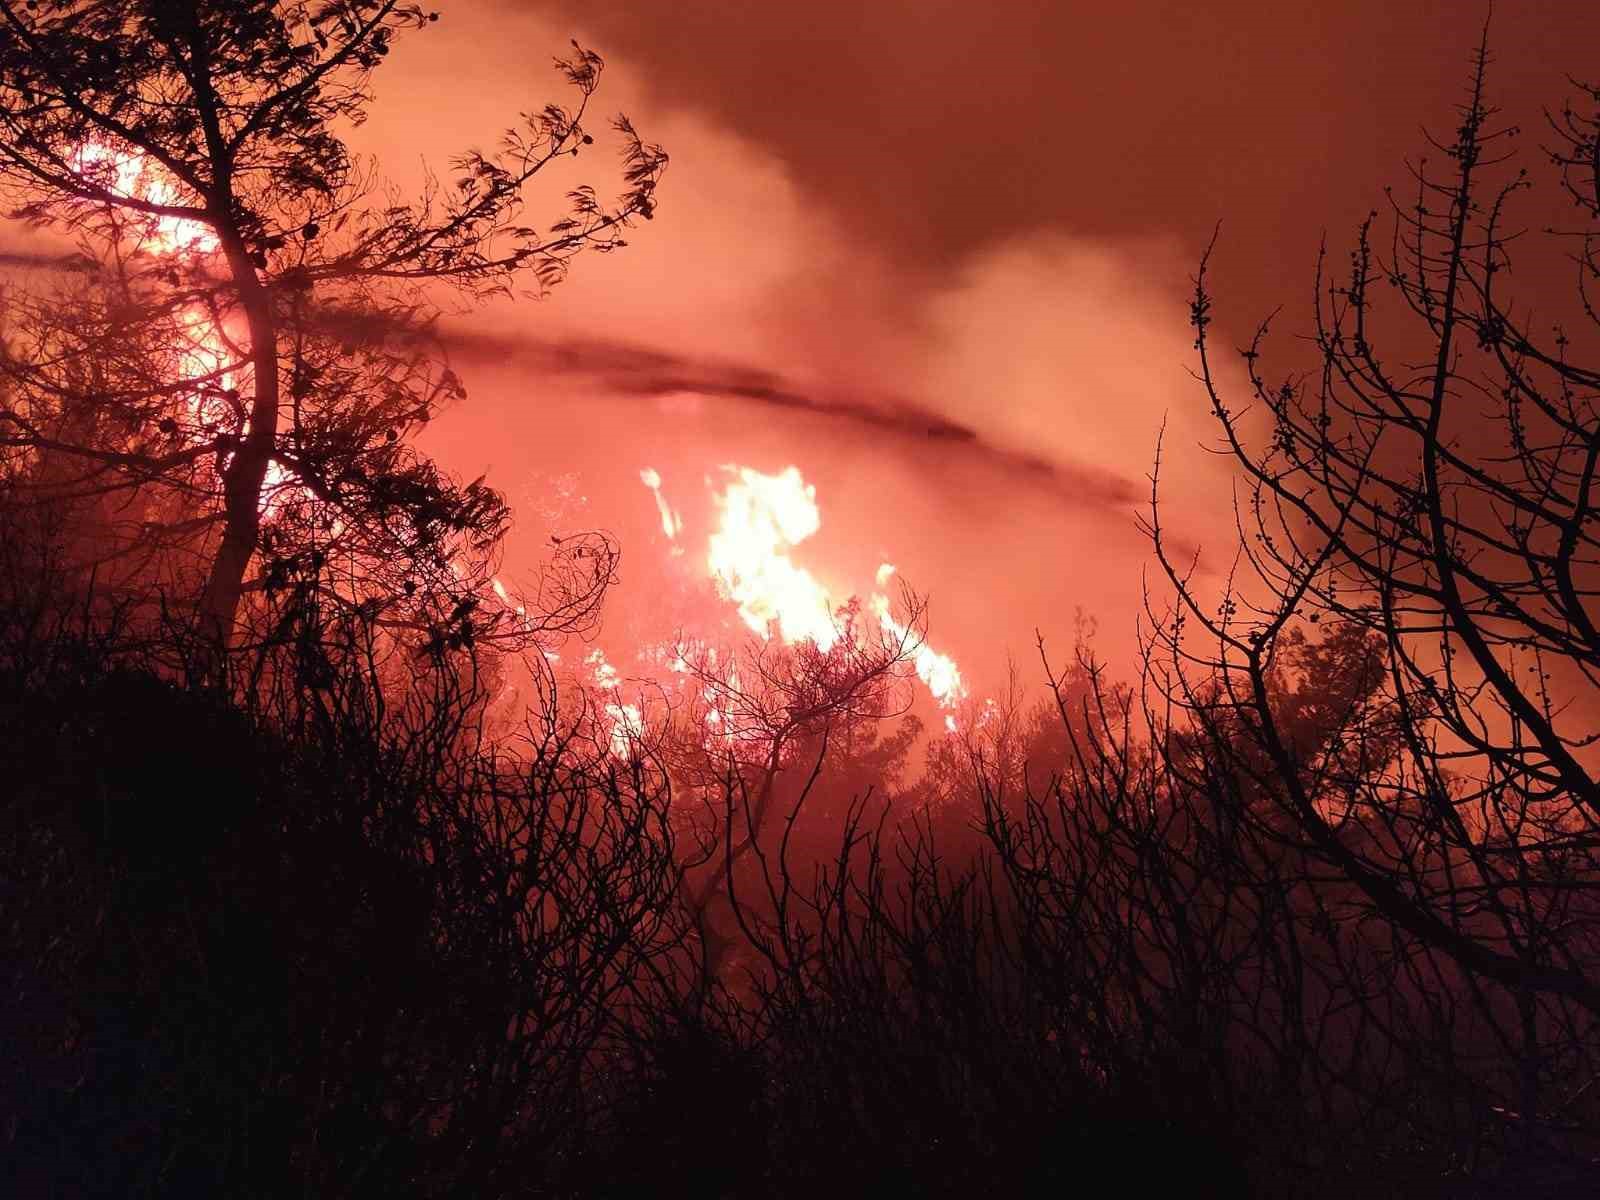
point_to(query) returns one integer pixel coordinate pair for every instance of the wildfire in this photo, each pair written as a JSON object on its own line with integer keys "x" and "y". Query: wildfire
{"x": 761, "y": 519}
{"x": 204, "y": 350}
{"x": 135, "y": 177}
{"x": 627, "y": 720}
{"x": 671, "y": 522}
{"x": 938, "y": 671}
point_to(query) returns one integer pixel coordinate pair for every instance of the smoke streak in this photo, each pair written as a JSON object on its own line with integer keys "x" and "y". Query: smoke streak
{"x": 625, "y": 369}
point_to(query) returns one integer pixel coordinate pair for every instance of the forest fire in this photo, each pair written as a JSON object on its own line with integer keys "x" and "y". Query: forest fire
{"x": 761, "y": 519}
{"x": 203, "y": 355}
{"x": 135, "y": 177}
{"x": 671, "y": 522}
{"x": 372, "y": 831}
{"x": 748, "y": 560}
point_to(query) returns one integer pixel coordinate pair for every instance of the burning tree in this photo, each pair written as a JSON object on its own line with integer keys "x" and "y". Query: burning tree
{"x": 232, "y": 364}
{"x": 1432, "y": 505}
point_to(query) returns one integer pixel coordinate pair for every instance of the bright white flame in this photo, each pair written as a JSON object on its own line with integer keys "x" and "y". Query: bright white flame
{"x": 627, "y": 728}
{"x": 671, "y": 522}
{"x": 938, "y": 671}
{"x": 627, "y": 720}
{"x": 605, "y": 675}
{"x": 134, "y": 177}
{"x": 762, "y": 518}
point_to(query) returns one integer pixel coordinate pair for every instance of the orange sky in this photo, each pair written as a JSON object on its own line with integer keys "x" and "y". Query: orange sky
{"x": 892, "y": 216}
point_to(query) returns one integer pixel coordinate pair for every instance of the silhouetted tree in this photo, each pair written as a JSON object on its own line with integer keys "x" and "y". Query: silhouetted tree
{"x": 242, "y": 348}
{"x": 1425, "y": 493}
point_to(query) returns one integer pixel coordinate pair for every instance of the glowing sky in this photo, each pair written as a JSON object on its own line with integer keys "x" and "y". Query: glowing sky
{"x": 936, "y": 256}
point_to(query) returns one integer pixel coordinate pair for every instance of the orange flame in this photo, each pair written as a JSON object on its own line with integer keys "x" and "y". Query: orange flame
{"x": 202, "y": 356}
{"x": 671, "y": 522}
{"x": 135, "y": 177}
{"x": 938, "y": 671}
{"x": 761, "y": 519}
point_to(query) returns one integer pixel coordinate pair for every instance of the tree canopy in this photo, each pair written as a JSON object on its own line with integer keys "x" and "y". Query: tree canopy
{"x": 229, "y": 370}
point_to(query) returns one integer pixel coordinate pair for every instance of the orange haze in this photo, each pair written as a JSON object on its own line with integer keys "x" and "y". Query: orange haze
{"x": 935, "y": 256}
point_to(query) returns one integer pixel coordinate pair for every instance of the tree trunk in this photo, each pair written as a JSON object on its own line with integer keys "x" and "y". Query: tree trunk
{"x": 246, "y": 472}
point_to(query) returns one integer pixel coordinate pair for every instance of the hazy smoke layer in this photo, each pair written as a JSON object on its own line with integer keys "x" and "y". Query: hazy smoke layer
{"x": 935, "y": 255}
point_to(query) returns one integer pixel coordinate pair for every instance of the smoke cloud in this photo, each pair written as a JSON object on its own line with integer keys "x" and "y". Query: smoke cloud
{"x": 937, "y": 256}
